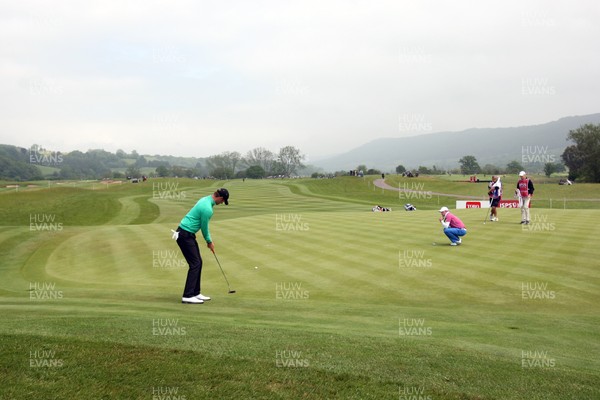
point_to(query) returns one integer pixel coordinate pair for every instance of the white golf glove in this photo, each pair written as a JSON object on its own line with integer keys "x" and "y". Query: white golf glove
{"x": 175, "y": 235}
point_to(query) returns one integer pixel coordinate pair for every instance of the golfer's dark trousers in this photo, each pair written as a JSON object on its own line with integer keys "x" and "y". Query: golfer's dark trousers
{"x": 189, "y": 247}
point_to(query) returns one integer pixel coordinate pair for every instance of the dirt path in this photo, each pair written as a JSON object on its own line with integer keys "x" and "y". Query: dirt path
{"x": 380, "y": 183}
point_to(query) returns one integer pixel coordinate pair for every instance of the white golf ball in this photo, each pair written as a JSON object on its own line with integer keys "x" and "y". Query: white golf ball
{"x": 433, "y": 243}
{"x": 255, "y": 267}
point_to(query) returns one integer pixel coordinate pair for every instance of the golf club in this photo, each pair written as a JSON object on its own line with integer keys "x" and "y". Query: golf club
{"x": 488, "y": 211}
{"x": 228, "y": 287}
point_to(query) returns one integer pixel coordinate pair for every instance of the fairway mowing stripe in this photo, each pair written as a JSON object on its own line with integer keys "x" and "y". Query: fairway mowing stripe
{"x": 23, "y": 249}
{"x": 129, "y": 211}
{"x": 88, "y": 257}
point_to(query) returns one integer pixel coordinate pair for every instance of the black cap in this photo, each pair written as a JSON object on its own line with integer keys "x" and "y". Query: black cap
{"x": 224, "y": 193}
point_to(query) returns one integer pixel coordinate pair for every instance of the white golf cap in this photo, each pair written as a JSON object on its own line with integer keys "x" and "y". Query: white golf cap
{"x": 444, "y": 209}
{"x": 522, "y": 173}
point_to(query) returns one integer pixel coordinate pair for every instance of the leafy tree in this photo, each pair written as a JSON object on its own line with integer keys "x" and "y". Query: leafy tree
{"x": 222, "y": 173}
{"x": 424, "y": 170}
{"x": 362, "y": 168}
{"x": 255, "y": 172}
{"x": 15, "y": 164}
{"x": 224, "y": 163}
{"x": 141, "y": 162}
{"x": 400, "y": 169}
{"x": 490, "y": 169}
{"x": 162, "y": 171}
{"x": 373, "y": 171}
{"x": 514, "y": 167}
{"x": 469, "y": 165}
{"x": 290, "y": 159}
{"x": 583, "y": 158}
{"x": 549, "y": 169}
{"x": 260, "y": 156}
{"x": 234, "y": 159}
{"x": 133, "y": 172}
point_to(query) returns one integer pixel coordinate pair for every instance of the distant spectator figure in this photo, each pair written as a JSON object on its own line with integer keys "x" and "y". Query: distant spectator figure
{"x": 453, "y": 226}
{"x": 524, "y": 192}
{"x": 495, "y": 194}
{"x": 382, "y": 176}
{"x": 410, "y": 207}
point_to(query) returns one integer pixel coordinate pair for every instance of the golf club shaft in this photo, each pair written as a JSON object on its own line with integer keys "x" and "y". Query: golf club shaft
{"x": 488, "y": 211}
{"x": 223, "y": 272}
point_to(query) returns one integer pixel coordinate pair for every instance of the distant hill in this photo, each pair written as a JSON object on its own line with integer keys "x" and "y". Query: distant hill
{"x": 497, "y": 146}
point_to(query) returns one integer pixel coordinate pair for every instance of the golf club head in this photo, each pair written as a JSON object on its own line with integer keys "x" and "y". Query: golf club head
{"x": 231, "y": 291}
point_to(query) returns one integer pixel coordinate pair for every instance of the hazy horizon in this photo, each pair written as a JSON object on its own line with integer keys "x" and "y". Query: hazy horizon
{"x": 189, "y": 78}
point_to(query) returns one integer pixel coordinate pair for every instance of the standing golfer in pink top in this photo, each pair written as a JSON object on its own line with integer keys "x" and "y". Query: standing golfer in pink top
{"x": 453, "y": 226}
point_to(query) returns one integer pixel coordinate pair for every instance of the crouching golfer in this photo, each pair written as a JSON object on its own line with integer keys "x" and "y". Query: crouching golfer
{"x": 453, "y": 226}
{"x": 197, "y": 220}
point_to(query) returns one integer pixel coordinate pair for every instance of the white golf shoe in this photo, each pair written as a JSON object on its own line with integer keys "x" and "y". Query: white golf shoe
{"x": 203, "y": 297}
{"x": 453, "y": 244}
{"x": 459, "y": 241}
{"x": 191, "y": 300}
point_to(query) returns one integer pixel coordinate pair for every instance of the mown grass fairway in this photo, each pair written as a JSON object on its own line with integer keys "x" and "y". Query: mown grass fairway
{"x": 333, "y": 300}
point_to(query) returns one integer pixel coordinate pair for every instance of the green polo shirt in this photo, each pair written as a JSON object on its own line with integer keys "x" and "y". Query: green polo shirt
{"x": 197, "y": 218}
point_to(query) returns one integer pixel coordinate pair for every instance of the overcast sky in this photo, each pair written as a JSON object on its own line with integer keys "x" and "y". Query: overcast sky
{"x": 196, "y": 78}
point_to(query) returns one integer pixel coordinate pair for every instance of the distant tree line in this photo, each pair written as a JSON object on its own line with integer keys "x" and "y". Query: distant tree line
{"x": 258, "y": 163}
{"x": 38, "y": 163}
{"x": 15, "y": 164}
{"x": 582, "y": 159}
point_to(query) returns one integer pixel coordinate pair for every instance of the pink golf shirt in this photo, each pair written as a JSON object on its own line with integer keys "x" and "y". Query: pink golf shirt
{"x": 454, "y": 221}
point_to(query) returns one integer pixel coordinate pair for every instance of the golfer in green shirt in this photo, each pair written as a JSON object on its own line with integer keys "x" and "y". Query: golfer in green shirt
{"x": 197, "y": 219}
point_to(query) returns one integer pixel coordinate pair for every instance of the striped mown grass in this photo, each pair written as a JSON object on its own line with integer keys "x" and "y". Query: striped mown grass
{"x": 333, "y": 300}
